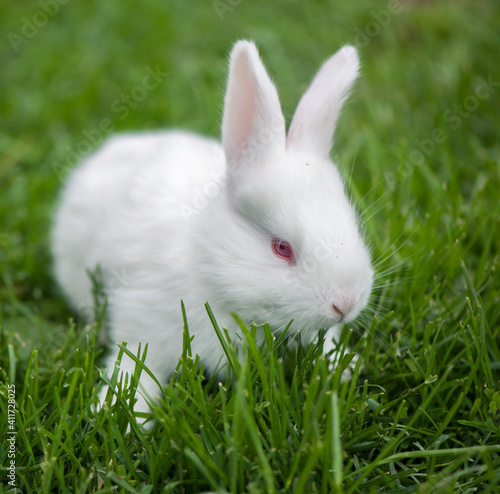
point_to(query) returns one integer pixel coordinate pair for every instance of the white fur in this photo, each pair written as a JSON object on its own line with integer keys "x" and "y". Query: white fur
{"x": 173, "y": 216}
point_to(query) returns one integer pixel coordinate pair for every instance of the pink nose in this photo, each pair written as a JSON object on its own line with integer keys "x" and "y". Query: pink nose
{"x": 343, "y": 307}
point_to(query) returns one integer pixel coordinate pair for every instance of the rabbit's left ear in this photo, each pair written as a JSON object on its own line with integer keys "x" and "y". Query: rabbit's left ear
{"x": 313, "y": 123}
{"x": 253, "y": 125}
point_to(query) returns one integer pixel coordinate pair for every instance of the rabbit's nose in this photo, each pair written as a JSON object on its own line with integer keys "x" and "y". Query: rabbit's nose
{"x": 343, "y": 307}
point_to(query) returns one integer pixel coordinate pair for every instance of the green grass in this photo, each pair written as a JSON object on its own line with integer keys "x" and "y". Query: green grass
{"x": 422, "y": 412}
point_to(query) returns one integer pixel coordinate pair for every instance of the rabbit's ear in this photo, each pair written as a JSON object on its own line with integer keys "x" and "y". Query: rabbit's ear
{"x": 253, "y": 124}
{"x": 313, "y": 123}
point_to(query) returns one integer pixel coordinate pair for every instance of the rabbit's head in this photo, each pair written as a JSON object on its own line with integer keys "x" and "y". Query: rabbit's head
{"x": 295, "y": 250}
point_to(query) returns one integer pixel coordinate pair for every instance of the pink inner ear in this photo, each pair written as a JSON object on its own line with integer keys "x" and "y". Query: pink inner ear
{"x": 283, "y": 250}
{"x": 251, "y": 110}
{"x": 241, "y": 104}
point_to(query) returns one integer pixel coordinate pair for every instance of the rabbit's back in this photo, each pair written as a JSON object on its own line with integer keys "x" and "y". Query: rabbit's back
{"x": 127, "y": 200}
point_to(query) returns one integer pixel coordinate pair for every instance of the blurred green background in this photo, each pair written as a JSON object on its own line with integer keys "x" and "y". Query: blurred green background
{"x": 71, "y": 71}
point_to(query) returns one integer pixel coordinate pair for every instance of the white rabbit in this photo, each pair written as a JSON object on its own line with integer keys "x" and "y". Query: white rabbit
{"x": 260, "y": 226}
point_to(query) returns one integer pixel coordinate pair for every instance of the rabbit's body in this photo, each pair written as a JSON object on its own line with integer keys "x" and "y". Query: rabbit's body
{"x": 259, "y": 226}
{"x": 122, "y": 195}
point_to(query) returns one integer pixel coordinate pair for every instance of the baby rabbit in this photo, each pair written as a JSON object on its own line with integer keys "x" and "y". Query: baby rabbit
{"x": 259, "y": 226}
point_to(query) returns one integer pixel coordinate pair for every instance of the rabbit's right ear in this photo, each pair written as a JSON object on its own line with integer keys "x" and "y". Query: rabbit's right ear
{"x": 253, "y": 126}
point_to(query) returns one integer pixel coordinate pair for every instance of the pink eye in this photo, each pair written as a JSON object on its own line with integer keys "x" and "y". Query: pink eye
{"x": 284, "y": 250}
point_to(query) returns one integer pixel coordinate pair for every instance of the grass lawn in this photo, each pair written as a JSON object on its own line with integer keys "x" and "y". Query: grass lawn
{"x": 419, "y": 145}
